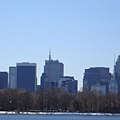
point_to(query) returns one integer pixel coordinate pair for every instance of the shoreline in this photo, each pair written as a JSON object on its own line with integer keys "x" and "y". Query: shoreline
{"x": 59, "y": 113}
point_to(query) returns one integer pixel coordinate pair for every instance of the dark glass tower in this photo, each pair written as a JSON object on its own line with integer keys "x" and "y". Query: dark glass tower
{"x": 26, "y": 76}
{"x": 53, "y": 69}
{"x": 96, "y": 76}
{"x": 3, "y": 80}
{"x": 68, "y": 84}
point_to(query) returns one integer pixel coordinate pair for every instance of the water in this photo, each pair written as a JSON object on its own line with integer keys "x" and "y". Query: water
{"x": 57, "y": 117}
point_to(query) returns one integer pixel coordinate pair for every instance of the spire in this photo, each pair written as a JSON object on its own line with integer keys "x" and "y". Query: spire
{"x": 118, "y": 60}
{"x": 49, "y": 53}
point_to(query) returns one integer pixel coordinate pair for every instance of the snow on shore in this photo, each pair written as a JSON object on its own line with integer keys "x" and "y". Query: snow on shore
{"x": 61, "y": 113}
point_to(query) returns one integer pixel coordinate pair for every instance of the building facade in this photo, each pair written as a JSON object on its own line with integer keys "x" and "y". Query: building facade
{"x": 45, "y": 84}
{"x": 100, "y": 89}
{"x": 95, "y": 76}
{"x": 117, "y": 72}
{"x": 68, "y": 84}
{"x": 3, "y": 80}
{"x": 12, "y": 77}
{"x": 26, "y": 76}
{"x": 113, "y": 86}
{"x": 53, "y": 69}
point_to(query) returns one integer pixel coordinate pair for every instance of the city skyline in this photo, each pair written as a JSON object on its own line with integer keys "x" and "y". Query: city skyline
{"x": 81, "y": 34}
{"x": 50, "y": 59}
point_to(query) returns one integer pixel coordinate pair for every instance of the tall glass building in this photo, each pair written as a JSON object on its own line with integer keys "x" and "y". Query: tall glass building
{"x": 53, "y": 69}
{"x": 3, "y": 80}
{"x": 26, "y": 76}
{"x": 117, "y": 72}
{"x": 96, "y": 76}
{"x": 12, "y": 77}
{"x": 68, "y": 84}
{"x": 113, "y": 86}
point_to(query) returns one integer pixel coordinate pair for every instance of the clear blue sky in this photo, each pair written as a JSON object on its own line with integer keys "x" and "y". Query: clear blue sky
{"x": 81, "y": 33}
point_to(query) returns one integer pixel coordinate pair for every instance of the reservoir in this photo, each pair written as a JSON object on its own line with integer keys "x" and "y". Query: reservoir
{"x": 56, "y": 117}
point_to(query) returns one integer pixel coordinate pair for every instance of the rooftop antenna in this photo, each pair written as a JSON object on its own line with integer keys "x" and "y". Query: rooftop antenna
{"x": 49, "y": 53}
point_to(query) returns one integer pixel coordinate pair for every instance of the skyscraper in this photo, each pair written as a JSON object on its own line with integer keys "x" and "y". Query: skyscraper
{"x": 96, "y": 76}
{"x": 68, "y": 84}
{"x": 44, "y": 82}
{"x": 53, "y": 69}
{"x": 26, "y": 76}
{"x": 12, "y": 77}
{"x": 117, "y": 72}
{"x": 3, "y": 80}
{"x": 113, "y": 86}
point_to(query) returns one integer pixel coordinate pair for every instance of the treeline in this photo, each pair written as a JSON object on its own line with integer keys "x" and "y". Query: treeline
{"x": 56, "y": 100}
